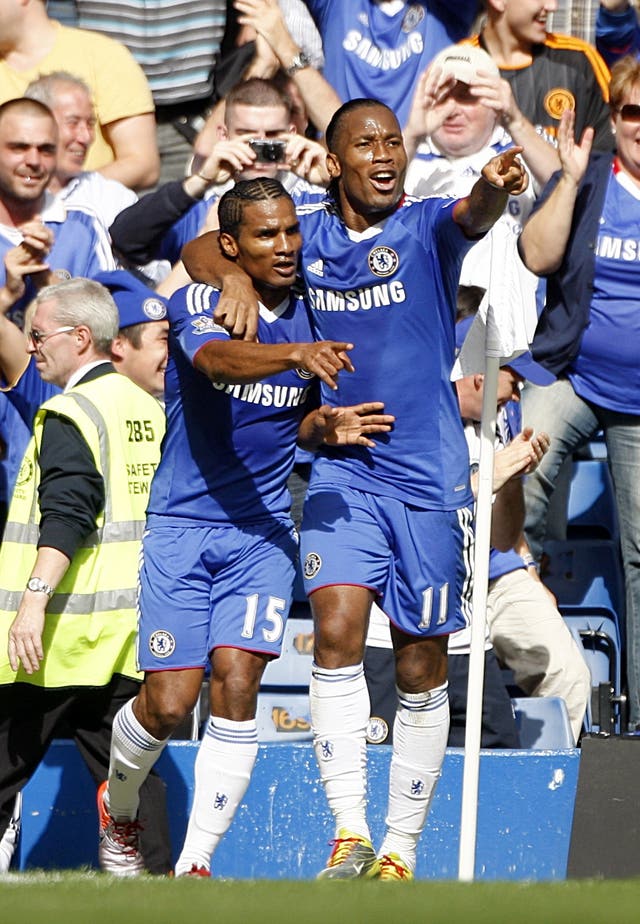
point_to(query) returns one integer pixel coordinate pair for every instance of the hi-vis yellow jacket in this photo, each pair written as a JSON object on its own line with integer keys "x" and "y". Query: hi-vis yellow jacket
{"x": 90, "y": 624}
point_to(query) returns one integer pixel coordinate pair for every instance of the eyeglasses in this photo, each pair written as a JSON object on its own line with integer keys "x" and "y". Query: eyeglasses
{"x": 38, "y": 338}
{"x": 630, "y": 112}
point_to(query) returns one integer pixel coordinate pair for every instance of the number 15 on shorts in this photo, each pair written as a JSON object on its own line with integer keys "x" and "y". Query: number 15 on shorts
{"x": 274, "y": 618}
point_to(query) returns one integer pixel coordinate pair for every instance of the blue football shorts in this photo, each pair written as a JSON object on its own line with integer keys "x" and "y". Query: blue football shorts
{"x": 201, "y": 588}
{"x": 419, "y": 562}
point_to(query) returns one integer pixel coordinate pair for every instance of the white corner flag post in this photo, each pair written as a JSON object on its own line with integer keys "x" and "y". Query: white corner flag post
{"x": 502, "y": 330}
{"x": 475, "y": 689}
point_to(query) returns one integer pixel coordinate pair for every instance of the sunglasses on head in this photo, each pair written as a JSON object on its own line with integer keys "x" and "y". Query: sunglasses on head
{"x": 630, "y": 112}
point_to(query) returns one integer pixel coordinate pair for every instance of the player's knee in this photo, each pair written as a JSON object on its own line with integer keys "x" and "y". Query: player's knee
{"x": 334, "y": 653}
{"x": 234, "y": 692}
{"x": 337, "y": 643}
{"x": 419, "y": 670}
{"x": 162, "y": 709}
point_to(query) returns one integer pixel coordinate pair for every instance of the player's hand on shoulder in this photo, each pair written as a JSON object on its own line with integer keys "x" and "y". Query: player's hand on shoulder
{"x": 237, "y": 311}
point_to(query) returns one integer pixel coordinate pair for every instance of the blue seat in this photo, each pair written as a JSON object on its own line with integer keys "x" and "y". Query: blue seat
{"x": 543, "y": 722}
{"x": 595, "y": 448}
{"x": 586, "y": 572}
{"x": 591, "y": 509}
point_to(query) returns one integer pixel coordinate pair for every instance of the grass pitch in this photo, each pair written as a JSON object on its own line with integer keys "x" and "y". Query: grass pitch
{"x": 91, "y": 898}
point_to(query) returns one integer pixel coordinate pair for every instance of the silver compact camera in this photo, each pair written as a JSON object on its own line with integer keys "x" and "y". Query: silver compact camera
{"x": 267, "y": 151}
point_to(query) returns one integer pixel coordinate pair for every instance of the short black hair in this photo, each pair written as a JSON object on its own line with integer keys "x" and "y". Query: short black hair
{"x": 259, "y": 92}
{"x": 26, "y": 106}
{"x": 233, "y": 202}
{"x": 334, "y": 127}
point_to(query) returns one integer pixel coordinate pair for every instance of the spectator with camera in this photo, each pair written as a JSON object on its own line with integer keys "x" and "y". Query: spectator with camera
{"x": 258, "y": 140}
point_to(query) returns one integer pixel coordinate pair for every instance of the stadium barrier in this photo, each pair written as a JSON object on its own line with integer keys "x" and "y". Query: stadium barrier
{"x": 283, "y": 827}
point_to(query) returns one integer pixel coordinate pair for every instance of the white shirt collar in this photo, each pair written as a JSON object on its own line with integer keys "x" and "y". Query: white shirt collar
{"x": 272, "y": 314}
{"x": 81, "y": 372}
{"x": 53, "y": 208}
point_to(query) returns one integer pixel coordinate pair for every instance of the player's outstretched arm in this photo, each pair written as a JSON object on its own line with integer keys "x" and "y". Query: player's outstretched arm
{"x": 503, "y": 176}
{"x": 237, "y": 362}
{"x": 237, "y": 309}
{"x": 344, "y": 426}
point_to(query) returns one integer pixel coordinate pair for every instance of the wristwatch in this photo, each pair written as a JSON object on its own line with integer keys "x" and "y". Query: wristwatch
{"x": 298, "y": 62}
{"x": 38, "y": 586}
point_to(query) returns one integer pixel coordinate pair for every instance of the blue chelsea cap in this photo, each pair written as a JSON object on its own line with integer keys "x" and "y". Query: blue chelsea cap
{"x": 137, "y": 303}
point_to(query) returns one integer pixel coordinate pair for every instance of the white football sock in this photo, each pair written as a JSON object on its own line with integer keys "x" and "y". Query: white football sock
{"x": 223, "y": 768}
{"x": 339, "y": 703}
{"x": 420, "y": 733}
{"x": 9, "y": 840}
{"x": 133, "y": 753}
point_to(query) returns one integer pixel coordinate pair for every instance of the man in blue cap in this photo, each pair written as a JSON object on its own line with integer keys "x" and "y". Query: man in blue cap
{"x": 140, "y": 349}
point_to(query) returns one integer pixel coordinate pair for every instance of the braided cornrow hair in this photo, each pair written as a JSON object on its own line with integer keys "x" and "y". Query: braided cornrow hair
{"x": 232, "y": 203}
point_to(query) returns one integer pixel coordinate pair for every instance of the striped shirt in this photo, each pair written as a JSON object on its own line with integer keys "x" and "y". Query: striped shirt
{"x": 174, "y": 41}
{"x": 575, "y": 17}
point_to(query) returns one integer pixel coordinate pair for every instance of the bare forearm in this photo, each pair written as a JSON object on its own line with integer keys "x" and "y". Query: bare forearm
{"x": 320, "y": 99}
{"x": 13, "y": 351}
{"x": 236, "y": 362}
{"x": 133, "y": 172}
{"x": 507, "y": 516}
{"x": 545, "y": 235}
{"x": 205, "y": 262}
{"x": 480, "y": 210}
{"x": 50, "y": 565}
{"x": 540, "y": 157}
{"x": 311, "y": 431}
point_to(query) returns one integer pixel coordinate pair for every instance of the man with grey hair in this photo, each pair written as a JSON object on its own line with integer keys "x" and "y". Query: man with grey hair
{"x": 69, "y": 99}
{"x": 70, "y": 551}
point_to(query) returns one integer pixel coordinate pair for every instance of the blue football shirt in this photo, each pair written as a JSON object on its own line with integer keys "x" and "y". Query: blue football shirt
{"x": 606, "y": 369}
{"x": 372, "y": 53}
{"x": 228, "y": 449}
{"x": 392, "y": 293}
{"x": 81, "y": 247}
